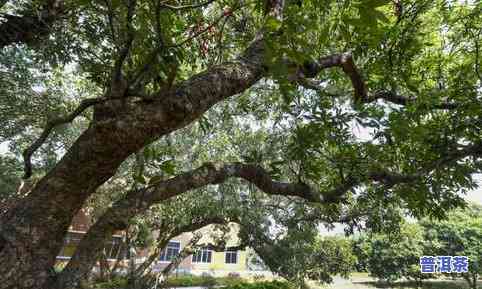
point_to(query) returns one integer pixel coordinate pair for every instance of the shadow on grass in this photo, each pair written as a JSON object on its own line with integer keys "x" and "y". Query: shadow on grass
{"x": 413, "y": 284}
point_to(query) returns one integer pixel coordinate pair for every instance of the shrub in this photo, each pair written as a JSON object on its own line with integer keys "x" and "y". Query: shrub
{"x": 191, "y": 280}
{"x": 115, "y": 283}
{"x": 230, "y": 280}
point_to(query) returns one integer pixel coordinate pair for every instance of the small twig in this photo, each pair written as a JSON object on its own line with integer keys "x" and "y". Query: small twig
{"x": 200, "y": 32}
{"x": 3, "y": 2}
{"x": 110, "y": 18}
{"x": 124, "y": 52}
{"x": 220, "y": 39}
{"x": 146, "y": 67}
{"x": 184, "y": 7}
{"x": 345, "y": 62}
{"x": 28, "y": 152}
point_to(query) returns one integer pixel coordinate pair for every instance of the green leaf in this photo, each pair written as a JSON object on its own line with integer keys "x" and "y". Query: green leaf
{"x": 273, "y": 24}
{"x": 379, "y": 15}
{"x": 168, "y": 167}
{"x": 139, "y": 178}
{"x": 156, "y": 179}
{"x": 375, "y": 3}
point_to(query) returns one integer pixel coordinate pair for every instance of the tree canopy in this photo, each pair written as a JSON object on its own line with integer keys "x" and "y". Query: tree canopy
{"x": 296, "y": 113}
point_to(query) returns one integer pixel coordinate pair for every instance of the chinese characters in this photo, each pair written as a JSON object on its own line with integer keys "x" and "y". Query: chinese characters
{"x": 444, "y": 264}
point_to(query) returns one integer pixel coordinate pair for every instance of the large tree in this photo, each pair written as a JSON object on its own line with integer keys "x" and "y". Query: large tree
{"x": 307, "y": 72}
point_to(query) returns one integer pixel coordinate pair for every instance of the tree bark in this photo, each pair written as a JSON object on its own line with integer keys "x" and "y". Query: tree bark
{"x": 31, "y": 233}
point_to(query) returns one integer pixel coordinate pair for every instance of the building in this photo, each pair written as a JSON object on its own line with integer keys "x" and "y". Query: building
{"x": 206, "y": 261}
{"x": 79, "y": 227}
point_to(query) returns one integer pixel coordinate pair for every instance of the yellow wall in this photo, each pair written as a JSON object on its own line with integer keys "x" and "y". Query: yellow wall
{"x": 218, "y": 263}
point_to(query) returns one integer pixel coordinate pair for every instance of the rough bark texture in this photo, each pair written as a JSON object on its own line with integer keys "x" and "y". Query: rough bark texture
{"x": 32, "y": 232}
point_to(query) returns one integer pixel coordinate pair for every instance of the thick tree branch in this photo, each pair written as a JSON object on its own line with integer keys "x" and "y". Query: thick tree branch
{"x": 189, "y": 99}
{"x": 361, "y": 93}
{"x": 137, "y": 201}
{"x": 33, "y": 26}
{"x": 119, "y": 129}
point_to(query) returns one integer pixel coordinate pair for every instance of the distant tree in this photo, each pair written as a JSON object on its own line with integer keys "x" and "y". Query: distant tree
{"x": 459, "y": 235}
{"x": 391, "y": 256}
{"x": 303, "y": 256}
{"x": 361, "y": 250}
{"x": 9, "y": 176}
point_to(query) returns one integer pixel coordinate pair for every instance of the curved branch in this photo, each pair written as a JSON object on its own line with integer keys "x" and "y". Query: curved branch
{"x": 119, "y": 85}
{"x": 28, "y": 152}
{"x": 138, "y": 201}
{"x": 361, "y": 94}
{"x": 185, "y": 7}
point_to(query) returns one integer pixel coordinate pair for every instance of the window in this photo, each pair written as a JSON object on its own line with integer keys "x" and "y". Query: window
{"x": 202, "y": 256}
{"x": 170, "y": 252}
{"x": 231, "y": 257}
{"x": 113, "y": 249}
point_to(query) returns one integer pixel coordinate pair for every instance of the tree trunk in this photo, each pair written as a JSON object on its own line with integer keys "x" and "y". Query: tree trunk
{"x": 34, "y": 229}
{"x": 31, "y": 234}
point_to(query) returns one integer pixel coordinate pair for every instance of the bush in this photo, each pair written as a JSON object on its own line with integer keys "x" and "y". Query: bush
{"x": 230, "y": 280}
{"x": 191, "y": 280}
{"x": 115, "y": 283}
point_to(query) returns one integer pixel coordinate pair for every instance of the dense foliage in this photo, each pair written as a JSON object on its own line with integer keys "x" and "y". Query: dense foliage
{"x": 282, "y": 116}
{"x": 459, "y": 235}
{"x": 396, "y": 255}
{"x": 391, "y": 256}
